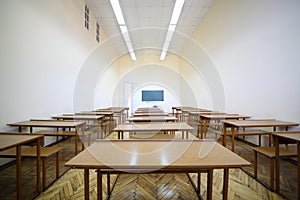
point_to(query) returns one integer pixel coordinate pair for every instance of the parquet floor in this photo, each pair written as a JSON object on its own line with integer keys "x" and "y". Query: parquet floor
{"x": 149, "y": 186}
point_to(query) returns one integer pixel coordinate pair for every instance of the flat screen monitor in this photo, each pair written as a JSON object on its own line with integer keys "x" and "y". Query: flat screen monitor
{"x": 152, "y": 95}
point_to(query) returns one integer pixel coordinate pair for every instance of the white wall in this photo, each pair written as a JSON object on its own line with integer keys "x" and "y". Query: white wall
{"x": 43, "y": 44}
{"x": 255, "y": 47}
{"x": 179, "y": 78}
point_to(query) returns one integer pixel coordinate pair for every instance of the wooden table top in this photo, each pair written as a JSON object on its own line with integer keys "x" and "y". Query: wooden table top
{"x": 150, "y": 114}
{"x": 259, "y": 123}
{"x": 295, "y": 136}
{"x": 224, "y": 116}
{"x": 149, "y": 111}
{"x": 47, "y": 123}
{"x": 156, "y": 154}
{"x": 95, "y": 113}
{"x": 154, "y": 126}
{"x": 8, "y": 140}
{"x": 153, "y": 118}
{"x": 194, "y": 110}
{"x": 78, "y": 117}
{"x": 112, "y": 109}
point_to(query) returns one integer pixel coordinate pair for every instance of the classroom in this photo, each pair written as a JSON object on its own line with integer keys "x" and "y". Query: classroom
{"x": 199, "y": 96}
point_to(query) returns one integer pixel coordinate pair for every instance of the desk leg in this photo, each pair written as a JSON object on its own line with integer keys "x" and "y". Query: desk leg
{"x": 38, "y": 159}
{"x": 224, "y": 135}
{"x": 232, "y": 138}
{"x": 199, "y": 183}
{"x": 99, "y": 135}
{"x": 201, "y": 128}
{"x": 99, "y": 184}
{"x": 205, "y": 130}
{"x": 84, "y": 139}
{"x": 276, "y": 143}
{"x": 298, "y": 153}
{"x": 108, "y": 184}
{"x": 76, "y": 140}
{"x": 225, "y": 184}
{"x": 86, "y": 184}
{"x": 19, "y": 173}
{"x": 119, "y": 135}
{"x": 209, "y": 184}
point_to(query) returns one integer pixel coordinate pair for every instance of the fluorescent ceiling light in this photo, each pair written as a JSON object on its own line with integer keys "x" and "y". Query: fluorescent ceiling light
{"x": 172, "y": 26}
{"x": 163, "y": 54}
{"x": 176, "y": 12}
{"x": 118, "y": 13}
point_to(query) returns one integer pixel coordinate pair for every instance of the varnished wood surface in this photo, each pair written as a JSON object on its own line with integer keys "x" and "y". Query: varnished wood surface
{"x": 293, "y": 136}
{"x": 154, "y": 126}
{"x": 141, "y": 114}
{"x": 50, "y": 123}
{"x": 223, "y": 116}
{"x": 287, "y": 137}
{"x": 252, "y": 124}
{"x": 78, "y": 117}
{"x": 7, "y": 141}
{"x": 155, "y": 154}
{"x": 70, "y": 185}
{"x": 152, "y": 119}
{"x": 10, "y": 140}
{"x": 258, "y": 123}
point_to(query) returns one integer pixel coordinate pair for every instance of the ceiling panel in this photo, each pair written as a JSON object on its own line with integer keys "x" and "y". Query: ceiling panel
{"x": 148, "y": 21}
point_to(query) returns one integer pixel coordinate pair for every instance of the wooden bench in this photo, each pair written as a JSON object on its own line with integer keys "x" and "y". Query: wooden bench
{"x": 269, "y": 151}
{"x": 30, "y": 151}
{"x": 65, "y": 133}
{"x": 246, "y": 132}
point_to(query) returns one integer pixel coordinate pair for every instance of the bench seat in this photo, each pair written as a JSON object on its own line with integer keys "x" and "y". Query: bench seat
{"x": 269, "y": 151}
{"x": 30, "y": 151}
{"x": 246, "y": 132}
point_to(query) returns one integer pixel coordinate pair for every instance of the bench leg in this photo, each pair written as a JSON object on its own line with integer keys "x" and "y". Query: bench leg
{"x": 199, "y": 182}
{"x": 44, "y": 174}
{"x": 209, "y": 184}
{"x": 255, "y": 164}
{"x": 57, "y": 165}
{"x": 272, "y": 174}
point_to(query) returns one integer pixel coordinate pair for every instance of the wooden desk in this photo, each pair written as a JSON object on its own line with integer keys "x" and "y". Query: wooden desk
{"x": 177, "y": 111}
{"x": 121, "y": 113}
{"x": 194, "y": 117}
{"x": 149, "y": 111}
{"x": 157, "y": 156}
{"x": 8, "y": 141}
{"x": 96, "y": 118}
{"x": 153, "y": 127}
{"x": 53, "y": 124}
{"x": 152, "y": 119}
{"x": 286, "y": 137}
{"x": 206, "y": 118}
{"x": 109, "y": 117}
{"x": 144, "y": 114}
{"x": 252, "y": 124}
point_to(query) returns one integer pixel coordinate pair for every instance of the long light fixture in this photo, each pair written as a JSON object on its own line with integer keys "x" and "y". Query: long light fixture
{"x": 172, "y": 26}
{"x": 120, "y": 19}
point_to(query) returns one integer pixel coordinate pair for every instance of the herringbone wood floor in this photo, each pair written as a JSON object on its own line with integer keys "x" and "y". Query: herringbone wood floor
{"x": 149, "y": 186}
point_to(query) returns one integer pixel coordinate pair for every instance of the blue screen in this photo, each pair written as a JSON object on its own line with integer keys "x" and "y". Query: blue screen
{"x": 152, "y": 95}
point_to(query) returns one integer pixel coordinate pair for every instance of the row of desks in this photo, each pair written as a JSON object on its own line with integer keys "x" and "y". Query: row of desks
{"x": 156, "y": 156}
{"x": 78, "y": 122}
{"x": 8, "y": 141}
{"x": 235, "y": 122}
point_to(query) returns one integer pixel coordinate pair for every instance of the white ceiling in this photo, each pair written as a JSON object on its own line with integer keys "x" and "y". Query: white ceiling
{"x": 148, "y": 21}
